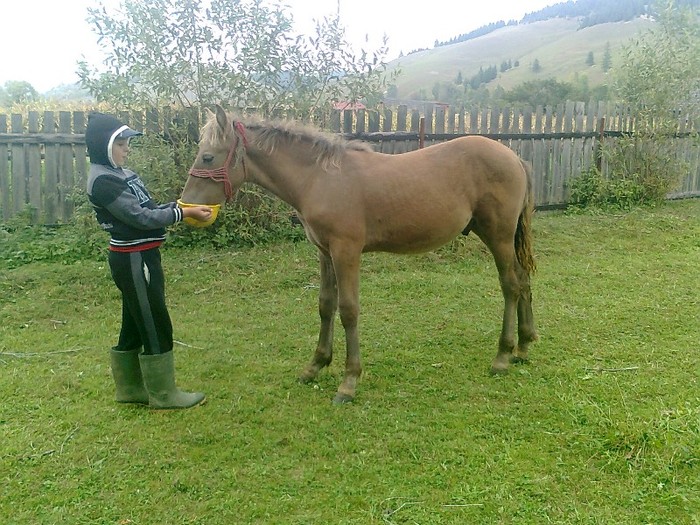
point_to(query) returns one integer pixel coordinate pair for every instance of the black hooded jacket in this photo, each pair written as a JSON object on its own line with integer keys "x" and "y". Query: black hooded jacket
{"x": 122, "y": 204}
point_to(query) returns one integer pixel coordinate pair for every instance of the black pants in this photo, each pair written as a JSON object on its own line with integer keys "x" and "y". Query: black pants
{"x": 145, "y": 319}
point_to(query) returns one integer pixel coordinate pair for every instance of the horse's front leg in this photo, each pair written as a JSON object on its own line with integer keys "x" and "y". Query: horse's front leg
{"x": 347, "y": 270}
{"x": 327, "y": 306}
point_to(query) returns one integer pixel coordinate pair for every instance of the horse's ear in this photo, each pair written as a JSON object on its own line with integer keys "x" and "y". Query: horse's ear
{"x": 221, "y": 118}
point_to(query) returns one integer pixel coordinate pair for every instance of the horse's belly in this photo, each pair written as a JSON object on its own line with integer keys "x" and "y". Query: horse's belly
{"x": 411, "y": 240}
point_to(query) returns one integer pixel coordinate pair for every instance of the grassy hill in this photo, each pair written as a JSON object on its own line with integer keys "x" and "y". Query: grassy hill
{"x": 558, "y": 45}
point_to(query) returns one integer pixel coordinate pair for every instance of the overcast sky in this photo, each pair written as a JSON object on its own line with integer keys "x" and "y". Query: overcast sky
{"x": 41, "y": 40}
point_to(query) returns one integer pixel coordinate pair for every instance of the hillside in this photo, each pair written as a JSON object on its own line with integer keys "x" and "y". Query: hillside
{"x": 558, "y": 45}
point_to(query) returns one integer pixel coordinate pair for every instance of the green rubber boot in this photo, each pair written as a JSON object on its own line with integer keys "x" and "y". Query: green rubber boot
{"x": 159, "y": 377}
{"x": 126, "y": 372}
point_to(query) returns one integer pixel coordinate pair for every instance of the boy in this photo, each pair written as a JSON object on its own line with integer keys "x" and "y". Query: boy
{"x": 137, "y": 229}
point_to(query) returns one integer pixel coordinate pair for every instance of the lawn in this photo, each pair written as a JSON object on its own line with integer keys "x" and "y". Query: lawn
{"x": 601, "y": 427}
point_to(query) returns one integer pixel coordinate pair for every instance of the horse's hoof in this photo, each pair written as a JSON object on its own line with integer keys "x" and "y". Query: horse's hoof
{"x": 519, "y": 360}
{"x": 342, "y": 399}
{"x": 499, "y": 370}
{"x": 307, "y": 377}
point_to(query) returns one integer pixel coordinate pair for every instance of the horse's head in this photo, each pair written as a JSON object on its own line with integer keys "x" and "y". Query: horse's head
{"x": 218, "y": 170}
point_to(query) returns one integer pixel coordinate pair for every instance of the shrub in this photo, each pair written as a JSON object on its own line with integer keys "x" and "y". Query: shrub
{"x": 642, "y": 169}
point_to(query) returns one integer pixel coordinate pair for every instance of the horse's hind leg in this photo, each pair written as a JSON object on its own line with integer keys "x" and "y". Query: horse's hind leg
{"x": 526, "y": 321}
{"x": 510, "y": 286}
{"x": 500, "y": 243}
{"x": 327, "y": 306}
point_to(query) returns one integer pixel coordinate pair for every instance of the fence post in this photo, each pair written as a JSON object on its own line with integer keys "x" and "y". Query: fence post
{"x": 19, "y": 176}
{"x": 599, "y": 145}
{"x": 50, "y": 171}
{"x": 4, "y": 172}
{"x": 421, "y": 133}
{"x": 34, "y": 170}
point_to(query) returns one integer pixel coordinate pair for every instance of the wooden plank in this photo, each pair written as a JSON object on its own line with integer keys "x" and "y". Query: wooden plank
{"x": 588, "y": 143}
{"x": 429, "y": 123}
{"x": 66, "y": 173}
{"x": 401, "y": 117}
{"x": 555, "y": 154}
{"x": 494, "y": 120}
{"x": 577, "y": 147}
{"x": 516, "y": 126}
{"x": 539, "y": 116}
{"x": 473, "y": 120}
{"x": 601, "y": 124}
{"x": 373, "y": 121}
{"x": 526, "y": 145}
{"x": 361, "y": 121}
{"x": 348, "y": 119}
{"x": 539, "y": 167}
{"x": 415, "y": 128}
{"x": 50, "y": 171}
{"x": 387, "y": 124}
{"x": 562, "y": 189}
{"x": 506, "y": 120}
{"x": 34, "y": 175}
{"x": 335, "y": 121}
{"x": 484, "y": 121}
{"x": 440, "y": 119}
{"x": 80, "y": 151}
{"x": 401, "y": 146}
{"x": 451, "y": 114}
{"x": 19, "y": 168}
{"x": 4, "y": 171}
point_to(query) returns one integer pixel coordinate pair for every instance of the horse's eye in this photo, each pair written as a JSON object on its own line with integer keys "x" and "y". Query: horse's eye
{"x": 207, "y": 158}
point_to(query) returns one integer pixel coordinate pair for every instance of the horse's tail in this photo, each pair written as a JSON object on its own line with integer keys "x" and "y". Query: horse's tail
{"x": 523, "y": 233}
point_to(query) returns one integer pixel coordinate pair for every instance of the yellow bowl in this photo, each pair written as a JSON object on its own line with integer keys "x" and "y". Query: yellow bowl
{"x": 194, "y": 222}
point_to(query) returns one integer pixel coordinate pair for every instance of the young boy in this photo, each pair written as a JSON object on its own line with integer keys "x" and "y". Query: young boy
{"x": 137, "y": 228}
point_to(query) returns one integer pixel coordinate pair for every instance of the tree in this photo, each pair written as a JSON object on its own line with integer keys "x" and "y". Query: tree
{"x": 607, "y": 58}
{"x": 240, "y": 52}
{"x": 536, "y": 67}
{"x": 660, "y": 76}
{"x": 590, "y": 59}
{"x": 659, "y": 80}
{"x": 17, "y": 92}
{"x": 548, "y": 92}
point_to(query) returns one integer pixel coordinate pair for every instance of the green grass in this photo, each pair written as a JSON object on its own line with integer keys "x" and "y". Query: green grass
{"x": 603, "y": 426}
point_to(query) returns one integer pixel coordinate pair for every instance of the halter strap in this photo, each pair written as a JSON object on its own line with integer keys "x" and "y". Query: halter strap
{"x": 220, "y": 174}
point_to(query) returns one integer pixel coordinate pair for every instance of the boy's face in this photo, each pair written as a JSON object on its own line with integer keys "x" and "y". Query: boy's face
{"x": 120, "y": 151}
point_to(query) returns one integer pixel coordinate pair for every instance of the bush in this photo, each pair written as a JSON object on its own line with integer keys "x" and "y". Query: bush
{"x": 643, "y": 170}
{"x": 593, "y": 190}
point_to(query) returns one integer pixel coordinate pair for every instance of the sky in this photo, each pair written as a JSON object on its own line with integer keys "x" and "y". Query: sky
{"x": 42, "y": 40}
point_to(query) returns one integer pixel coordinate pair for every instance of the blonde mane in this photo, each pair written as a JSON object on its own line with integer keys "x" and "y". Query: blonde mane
{"x": 268, "y": 136}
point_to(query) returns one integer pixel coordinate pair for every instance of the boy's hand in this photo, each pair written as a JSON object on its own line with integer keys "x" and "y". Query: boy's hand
{"x": 201, "y": 213}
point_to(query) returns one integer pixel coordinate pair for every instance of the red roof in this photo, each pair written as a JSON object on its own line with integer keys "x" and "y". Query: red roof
{"x": 346, "y": 104}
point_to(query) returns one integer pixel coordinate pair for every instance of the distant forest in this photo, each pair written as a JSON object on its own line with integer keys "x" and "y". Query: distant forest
{"x": 591, "y": 12}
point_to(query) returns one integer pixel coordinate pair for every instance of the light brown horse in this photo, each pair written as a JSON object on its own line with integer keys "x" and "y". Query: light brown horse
{"x": 351, "y": 200}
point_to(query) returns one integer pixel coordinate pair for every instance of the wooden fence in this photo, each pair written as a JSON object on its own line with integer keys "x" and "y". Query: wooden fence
{"x": 45, "y": 157}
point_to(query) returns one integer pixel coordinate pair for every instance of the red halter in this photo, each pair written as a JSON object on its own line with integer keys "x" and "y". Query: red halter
{"x": 221, "y": 174}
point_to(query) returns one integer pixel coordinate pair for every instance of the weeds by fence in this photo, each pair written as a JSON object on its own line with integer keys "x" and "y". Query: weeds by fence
{"x": 43, "y": 157}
